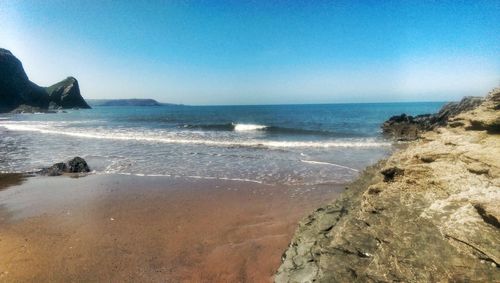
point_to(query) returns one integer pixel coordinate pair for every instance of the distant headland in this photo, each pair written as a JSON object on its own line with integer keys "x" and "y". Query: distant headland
{"x": 126, "y": 102}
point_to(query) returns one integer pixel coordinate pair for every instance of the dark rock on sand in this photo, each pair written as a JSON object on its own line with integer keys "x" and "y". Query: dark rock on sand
{"x": 407, "y": 128}
{"x": 19, "y": 95}
{"x": 78, "y": 165}
{"x": 75, "y": 165}
{"x": 55, "y": 170}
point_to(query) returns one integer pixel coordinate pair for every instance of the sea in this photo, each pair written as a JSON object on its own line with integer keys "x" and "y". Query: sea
{"x": 271, "y": 144}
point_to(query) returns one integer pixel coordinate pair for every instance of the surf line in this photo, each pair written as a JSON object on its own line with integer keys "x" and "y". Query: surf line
{"x": 327, "y": 163}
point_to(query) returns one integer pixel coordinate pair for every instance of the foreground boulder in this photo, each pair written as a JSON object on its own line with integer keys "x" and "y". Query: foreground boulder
{"x": 75, "y": 165}
{"x": 429, "y": 213}
{"x": 20, "y": 95}
{"x": 407, "y": 128}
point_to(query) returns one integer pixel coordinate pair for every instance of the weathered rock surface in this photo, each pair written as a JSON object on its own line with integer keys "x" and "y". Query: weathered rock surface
{"x": 430, "y": 213}
{"x": 20, "y": 95}
{"x": 66, "y": 94}
{"x": 484, "y": 117}
{"x": 407, "y": 128}
{"x": 75, "y": 165}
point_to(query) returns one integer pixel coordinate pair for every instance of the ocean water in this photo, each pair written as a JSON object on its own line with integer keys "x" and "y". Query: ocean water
{"x": 278, "y": 144}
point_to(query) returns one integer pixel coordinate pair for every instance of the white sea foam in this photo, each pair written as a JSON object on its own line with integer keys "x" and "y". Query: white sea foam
{"x": 328, "y": 163}
{"x": 248, "y": 127}
{"x": 188, "y": 176}
{"x": 149, "y": 136}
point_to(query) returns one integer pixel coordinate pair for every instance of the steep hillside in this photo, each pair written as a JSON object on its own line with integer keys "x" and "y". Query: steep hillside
{"x": 19, "y": 94}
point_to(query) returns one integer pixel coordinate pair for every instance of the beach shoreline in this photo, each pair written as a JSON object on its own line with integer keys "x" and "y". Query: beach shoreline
{"x": 133, "y": 228}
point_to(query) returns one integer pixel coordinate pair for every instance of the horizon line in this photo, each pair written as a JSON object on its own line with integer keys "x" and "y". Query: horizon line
{"x": 273, "y": 104}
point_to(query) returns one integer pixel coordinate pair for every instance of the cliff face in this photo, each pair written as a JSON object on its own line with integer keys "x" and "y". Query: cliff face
{"x": 17, "y": 91}
{"x": 15, "y": 87}
{"x": 66, "y": 94}
{"x": 429, "y": 213}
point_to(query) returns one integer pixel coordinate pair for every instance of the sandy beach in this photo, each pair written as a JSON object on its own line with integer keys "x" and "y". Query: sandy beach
{"x": 119, "y": 228}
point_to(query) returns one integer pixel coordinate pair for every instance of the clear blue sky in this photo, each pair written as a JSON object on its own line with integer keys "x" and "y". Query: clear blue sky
{"x": 259, "y": 52}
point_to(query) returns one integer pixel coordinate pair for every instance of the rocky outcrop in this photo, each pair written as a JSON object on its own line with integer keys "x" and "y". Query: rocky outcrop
{"x": 427, "y": 214}
{"x": 19, "y": 94}
{"x": 407, "y": 128}
{"x": 66, "y": 94}
{"x": 15, "y": 87}
{"x": 75, "y": 165}
{"x": 482, "y": 118}
{"x": 403, "y": 127}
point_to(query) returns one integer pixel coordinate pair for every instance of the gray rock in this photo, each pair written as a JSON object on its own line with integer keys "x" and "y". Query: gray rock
{"x": 407, "y": 128}
{"x": 452, "y": 109}
{"x": 78, "y": 165}
{"x": 55, "y": 170}
{"x": 75, "y": 165}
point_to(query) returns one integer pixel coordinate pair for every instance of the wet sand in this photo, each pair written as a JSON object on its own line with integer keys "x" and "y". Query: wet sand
{"x": 118, "y": 228}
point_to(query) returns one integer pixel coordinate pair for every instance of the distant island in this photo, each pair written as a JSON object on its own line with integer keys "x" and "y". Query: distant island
{"x": 20, "y": 95}
{"x": 126, "y": 102}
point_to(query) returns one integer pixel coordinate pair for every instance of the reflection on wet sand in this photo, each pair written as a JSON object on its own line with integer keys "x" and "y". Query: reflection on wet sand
{"x": 126, "y": 228}
{"x": 10, "y": 179}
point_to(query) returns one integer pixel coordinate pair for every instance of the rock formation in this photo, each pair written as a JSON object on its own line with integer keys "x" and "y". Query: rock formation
{"x": 429, "y": 213}
{"x": 18, "y": 92}
{"x": 407, "y": 128}
{"x": 75, "y": 165}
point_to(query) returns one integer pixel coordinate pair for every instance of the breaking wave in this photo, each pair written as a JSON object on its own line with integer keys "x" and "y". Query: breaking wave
{"x": 172, "y": 138}
{"x": 239, "y": 127}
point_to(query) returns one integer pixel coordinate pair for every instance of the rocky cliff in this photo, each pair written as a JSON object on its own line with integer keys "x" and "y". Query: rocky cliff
{"x": 407, "y": 128}
{"x": 429, "y": 213}
{"x": 18, "y": 93}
